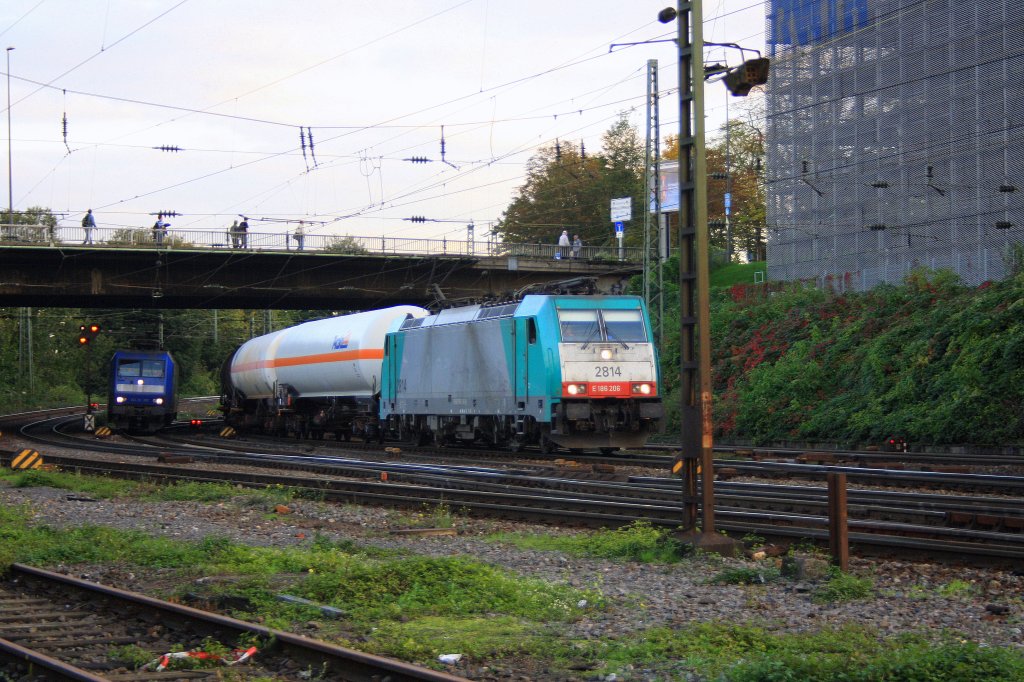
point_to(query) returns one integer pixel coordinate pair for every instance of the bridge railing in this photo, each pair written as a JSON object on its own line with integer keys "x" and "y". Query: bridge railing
{"x": 139, "y": 237}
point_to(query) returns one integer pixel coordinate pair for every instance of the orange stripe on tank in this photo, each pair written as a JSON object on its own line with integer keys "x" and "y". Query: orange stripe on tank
{"x": 319, "y": 358}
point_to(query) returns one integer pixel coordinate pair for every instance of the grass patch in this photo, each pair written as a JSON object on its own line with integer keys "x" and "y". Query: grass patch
{"x": 746, "y": 576}
{"x": 454, "y": 586}
{"x": 478, "y": 637}
{"x": 95, "y": 486}
{"x": 740, "y": 653}
{"x": 736, "y": 273}
{"x": 637, "y": 542}
{"x": 842, "y": 587}
{"x": 430, "y": 516}
{"x": 182, "y": 491}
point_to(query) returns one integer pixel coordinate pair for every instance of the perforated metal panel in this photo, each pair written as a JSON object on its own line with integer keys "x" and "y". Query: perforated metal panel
{"x": 895, "y": 130}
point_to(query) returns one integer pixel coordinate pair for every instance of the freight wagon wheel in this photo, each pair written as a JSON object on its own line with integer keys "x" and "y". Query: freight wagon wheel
{"x": 609, "y": 451}
{"x": 515, "y": 444}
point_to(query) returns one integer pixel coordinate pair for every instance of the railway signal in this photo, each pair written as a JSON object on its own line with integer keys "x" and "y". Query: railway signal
{"x": 87, "y": 332}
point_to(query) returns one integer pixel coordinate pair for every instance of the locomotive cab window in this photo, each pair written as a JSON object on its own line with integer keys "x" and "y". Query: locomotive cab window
{"x": 579, "y": 326}
{"x": 624, "y": 325}
{"x": 152, "y": 368}
{"x": 130, "y": 368}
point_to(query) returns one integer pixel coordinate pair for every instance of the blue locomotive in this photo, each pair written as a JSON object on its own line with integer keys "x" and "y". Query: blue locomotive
{"x": 580, "y": 372}
{"x": 142, "y": 394}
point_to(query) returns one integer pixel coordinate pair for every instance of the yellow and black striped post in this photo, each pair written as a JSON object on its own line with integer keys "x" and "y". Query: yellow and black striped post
{"x": 103, "y": 432}
{"x": 27, "y": 459}
{"x": 227, "y": 432}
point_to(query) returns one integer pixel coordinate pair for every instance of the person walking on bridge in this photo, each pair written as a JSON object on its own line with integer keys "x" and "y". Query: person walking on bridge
{"x": 563, "y": 244}
{"x": 88, "y": 224}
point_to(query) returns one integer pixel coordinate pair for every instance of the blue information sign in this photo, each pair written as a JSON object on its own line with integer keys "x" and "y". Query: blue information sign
{"x": 619, "y": 227}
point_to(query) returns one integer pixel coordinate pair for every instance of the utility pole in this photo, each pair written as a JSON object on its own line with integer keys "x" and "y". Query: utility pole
{"x": 696, "y": 456}
{"x": 652, "y": 226}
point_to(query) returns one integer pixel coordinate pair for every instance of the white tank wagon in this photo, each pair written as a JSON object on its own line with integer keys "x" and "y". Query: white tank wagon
{"x": 313, "y": 378}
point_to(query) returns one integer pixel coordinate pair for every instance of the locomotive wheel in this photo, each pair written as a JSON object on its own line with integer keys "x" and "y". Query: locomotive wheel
{"x": 546, "y": 446}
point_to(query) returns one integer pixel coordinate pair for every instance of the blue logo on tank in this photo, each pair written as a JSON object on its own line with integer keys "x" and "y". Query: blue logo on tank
{"x": 340, "y": 342}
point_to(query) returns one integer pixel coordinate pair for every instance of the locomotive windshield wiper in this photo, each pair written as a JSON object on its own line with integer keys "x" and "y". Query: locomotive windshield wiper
{"x": 594, "y": 331}
{"x": 613, "y": 337}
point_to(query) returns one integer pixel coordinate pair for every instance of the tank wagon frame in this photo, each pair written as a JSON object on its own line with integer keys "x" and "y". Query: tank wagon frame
{"x": 142, "y": 395}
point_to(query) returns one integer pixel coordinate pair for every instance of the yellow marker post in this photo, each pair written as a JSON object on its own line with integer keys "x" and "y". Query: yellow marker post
{"x": 27, "y": 459}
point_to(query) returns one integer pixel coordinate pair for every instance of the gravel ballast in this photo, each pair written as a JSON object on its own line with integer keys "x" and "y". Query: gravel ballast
{"x": 907, "y": 596}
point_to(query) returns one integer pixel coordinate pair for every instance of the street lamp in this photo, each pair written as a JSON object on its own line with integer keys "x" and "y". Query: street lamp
{"x": 10, "y": 176}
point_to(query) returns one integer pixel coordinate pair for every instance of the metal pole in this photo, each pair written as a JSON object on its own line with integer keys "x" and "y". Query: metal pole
{"x": 10, "y": 176}
{"x": 690, "y": 422}
{"x": 694, "y": 279}
{"x": 700, "y": 191}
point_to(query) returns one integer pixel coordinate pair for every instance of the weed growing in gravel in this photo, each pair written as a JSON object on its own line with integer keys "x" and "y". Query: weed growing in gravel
{"x": 187, "y": 491}
{"x": 746, "y": 576}
{"x": 843, "y": 587}
{"x": 958, "y": 588}
{"x": 637, "y": 542}
{"x": 430, "y": 516}
{"x": 131, "y": 656}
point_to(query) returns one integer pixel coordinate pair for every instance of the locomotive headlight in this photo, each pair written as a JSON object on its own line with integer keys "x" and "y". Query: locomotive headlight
{"x": 159, "y": 401}
{"x": 644, "y": 389}
{"x": 606, "y": 353}
{"x": 120, "y": 399}
{"x": 139, "y": 382}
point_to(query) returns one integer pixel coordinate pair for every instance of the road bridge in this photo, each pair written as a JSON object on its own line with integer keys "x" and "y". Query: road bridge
{"x": 200, "y": 269}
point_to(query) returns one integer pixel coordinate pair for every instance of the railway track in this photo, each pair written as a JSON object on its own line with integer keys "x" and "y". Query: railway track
{"x": 939, "y": 524}
{"x": 54, "y": 626}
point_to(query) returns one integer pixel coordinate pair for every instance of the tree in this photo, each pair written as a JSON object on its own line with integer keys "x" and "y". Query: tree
{"x": 739, "y": 141}
{"x": 34, "y": 224}
{"x": 568, "y": 188}
{"x": 742, "y": 145}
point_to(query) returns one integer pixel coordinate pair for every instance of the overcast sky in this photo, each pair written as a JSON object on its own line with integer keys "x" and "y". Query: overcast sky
{"x": 236, "y": 85}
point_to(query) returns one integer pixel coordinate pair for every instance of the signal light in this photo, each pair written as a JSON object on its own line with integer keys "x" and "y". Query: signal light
{"x": 752, "y": 72}
{"x": 87, "y": 332}
{"x": 196, "y": 423}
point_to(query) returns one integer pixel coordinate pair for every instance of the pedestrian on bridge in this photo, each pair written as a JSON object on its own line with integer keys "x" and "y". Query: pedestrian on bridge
{"x": 243, "y": 233}
{"x": 300, "y": 236}
{"x": 160, "y": 230}
{"x": 235, "y": 234}
{"x": 563, "y": 245}
{"x": 88, "y": 224}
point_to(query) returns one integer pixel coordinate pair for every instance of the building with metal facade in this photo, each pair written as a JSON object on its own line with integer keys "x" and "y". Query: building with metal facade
{"x": 895, "y": 139}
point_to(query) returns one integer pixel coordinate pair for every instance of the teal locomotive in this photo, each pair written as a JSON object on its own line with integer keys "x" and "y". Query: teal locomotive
{"x": 578, "y": 372}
